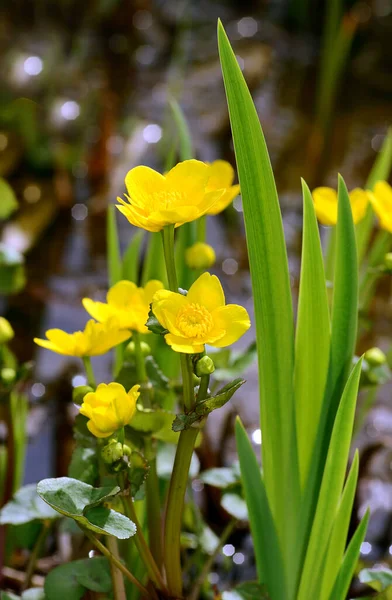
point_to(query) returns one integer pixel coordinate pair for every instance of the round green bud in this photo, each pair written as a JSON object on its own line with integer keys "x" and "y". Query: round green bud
{"x": 375, "y": 357}
{"x": 200, "y": 256}
{"x": 79, "y": 393}
{"x": 6, "y": 331}
{"x": 130, "y": 349}
{"x": 8, "y": 375}
{"x": 112, "y": 452}
{"x": 388, "y": 261}
{"x": 204, "y": 366}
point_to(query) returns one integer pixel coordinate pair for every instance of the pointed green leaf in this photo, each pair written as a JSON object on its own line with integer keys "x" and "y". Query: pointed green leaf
{"x": 113, "y": 246}
{"x": 271, "y": 293}
{"x": 331, "y": 489}
{"x": 269, "y": 561}
{"x": 350, "y": 560}
{"x": 154, "y": 261}
{"x": 312, "y": 341}
{"x": 337, "y": 542}
{"x": 130, "y": 261}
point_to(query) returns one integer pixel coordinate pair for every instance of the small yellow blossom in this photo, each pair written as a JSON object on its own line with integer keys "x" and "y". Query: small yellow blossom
{"x": 6, "y": 331}
{"x": 222, "y": 176}
{"x": 201, "y": 317}
{"x": 179, "y": 196}
{"x": 127, "y": 305}
{"x": 109, "y": 408}
{"x": 326, "y": 204}
{"x": 97, "y": 338}
{"x": 381, "y": 199}
{"x": 200, "y": 256}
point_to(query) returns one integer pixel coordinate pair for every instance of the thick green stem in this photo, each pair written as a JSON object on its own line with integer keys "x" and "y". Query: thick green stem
{"x": 88, "y": 367}
{"x": 175, "y": 507}
{"x": 139, "y": 359}
{"x": 168, "y": 251}
{"x": 115, "y": 561}
{"x": 35, "y": 553}
{"x": 203, "y": 387}
{"x": 143, "y": 548}
{"x": 117, "y": 576}
{"x": 202, "y": 228}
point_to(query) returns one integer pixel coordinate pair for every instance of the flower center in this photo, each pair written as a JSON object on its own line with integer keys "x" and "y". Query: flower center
{"x": 194, "y": 321}
{"x": 166, "y": 199}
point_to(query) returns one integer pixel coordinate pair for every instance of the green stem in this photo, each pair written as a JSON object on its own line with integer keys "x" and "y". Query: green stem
{"x": 115, "y": 561}
{"x": 117, "y": 576}
{"x": 381, "y": 245}
{"x": 35, "y": 553}
{"x": 88, "y": 367}
{"x": 175, "y": 507}
{"x": 168, "y": 251}
{"x": 195, "y": 593}
{"x": 203, "y": 387}
{"x": 139, "y": 359}
{"x": 187, "y": 381}
{"x": 364, "y": 409}
{"x": 202, "y": 228}
{"x": 142, "y": 546}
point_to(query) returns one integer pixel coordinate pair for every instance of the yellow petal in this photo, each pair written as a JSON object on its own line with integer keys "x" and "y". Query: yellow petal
{"x": 165, "y": 306}
{"x": 150, "y": 288}
{"x": 207, "y": 291}
{"x": 221, "y": 175}
{"x": 381, "y": 199}
{"x": 190, "y": 177}
{"x": 98, "y": 310}
{"x": 181, "y": 344}
{"x": 138, "y": 221}
{"x": 121, "y": 293}
{"x": 95, "y": 431}
{"x": 176, "y": 216}
{"x": 143, "y": 185}
{"x": 326, "y": 205}
{"x": 359, "y": 200}
{"x": 224, "y": 201}
{"x": 234, "y": 320}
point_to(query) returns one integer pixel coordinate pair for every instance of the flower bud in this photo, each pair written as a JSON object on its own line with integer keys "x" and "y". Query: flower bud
{"x": 8, "y": 375}
{"x": 388, "y": 262}
{"x": 204, "y": 366}
{"x": 79, "y": 393}
{"x": 112, "y": 452}
{"x": 130, "y": 349}
{"x": 200, "y": 256}
{"x": 375, "y": 357}
{"x": 6, "y": 331}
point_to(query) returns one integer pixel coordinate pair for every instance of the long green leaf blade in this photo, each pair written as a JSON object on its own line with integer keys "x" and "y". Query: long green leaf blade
{"x": 351, "y": 556}
{"x": 269, "y": 562}
{"x": 337, "y": 542}
{"x": 271, "y": 292}
{"x": 312, "y": 342}
{"x": 331, "y": 489}
{"x": 154, "y": 262}
{"x": 130, "y": 263}
{"x": 113, "y": 247}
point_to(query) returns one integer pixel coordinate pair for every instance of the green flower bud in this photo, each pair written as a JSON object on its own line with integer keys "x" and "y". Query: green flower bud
{"x": 375, "y": 357}
{"x": 8, "y": 375}
{"x": 130, "y": 349}
{"x": 204, "y": 366}
{"x": 388, "y": 261}
{"x": 112, "y": 452}
{"x": 6, "y": 331}
{"x": 79, "y": 393}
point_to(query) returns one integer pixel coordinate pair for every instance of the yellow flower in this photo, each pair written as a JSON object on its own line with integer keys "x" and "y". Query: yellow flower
{"x": 6, "y": 331}
{"x": 326, "y": 204}
{"x": 179, "y": 196}
{"x": 109, "y": 408}
{"x": 127, "y": 305}
{"x": 200, "y": 256}
{"x": 222, "y": 176}
{"x": 381, "y": 199}
{"x": 201, "y": 317}
{"x": 97, "y": 338}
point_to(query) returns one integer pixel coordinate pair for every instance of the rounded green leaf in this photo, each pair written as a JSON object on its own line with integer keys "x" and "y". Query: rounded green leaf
{"x": 26, "y": 506}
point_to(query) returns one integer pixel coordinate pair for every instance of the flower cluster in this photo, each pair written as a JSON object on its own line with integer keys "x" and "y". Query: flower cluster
{"x": 326, "y": 204}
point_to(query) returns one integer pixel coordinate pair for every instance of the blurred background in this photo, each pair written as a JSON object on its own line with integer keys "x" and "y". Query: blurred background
{"x": 85, "y": 97}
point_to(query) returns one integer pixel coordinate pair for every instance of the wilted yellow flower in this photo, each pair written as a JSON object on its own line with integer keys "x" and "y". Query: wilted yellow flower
{"x": 6, "y": 331}
{"x": 179, "y": 196}
{"x": 381, "y": 199}
{"x": 222, "y": 176}
{"x": 201, "y": 317}
{"x": 326, "y": 204}
{"x": 127, "y": 305}
{"x": 200, "y": 256}
{"x": 97, "y": 338}
{"x": 109, "y": 408}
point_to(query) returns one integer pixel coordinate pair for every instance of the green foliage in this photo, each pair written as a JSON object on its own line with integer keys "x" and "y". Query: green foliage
{"x": 379, "y": 579}
{"x": 222, "y": 477}
{"x": 230, "y": 364}
{"x": 235, "y": 506}
{"x": 247, "y": 591}
{"x": 12, "y": 273}
{"x": 137, "y": 472}
{"x": 26, "y": 506}
{"x": 84, "y": 465}
{"x": 113, "y": 247}
{"x": 130, "y": 261}
{"x": 71, "y": 580}
{"x": 8, "y": 201}
{"x": 82, "y": 503}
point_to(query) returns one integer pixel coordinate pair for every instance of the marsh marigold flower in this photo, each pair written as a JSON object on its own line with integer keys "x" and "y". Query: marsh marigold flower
{"x": 179, "y": 196}
{"x": 201, "y": 317}
{"x": 222, "y": 176}
{"x": 97, "y": 338}
{"x": 109, "y": 408}
{"x": 127, "y": 305}
{"x": 200, "y": 256}
{"x": 326, "y": 204}
{"x": 381, "y": 199}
